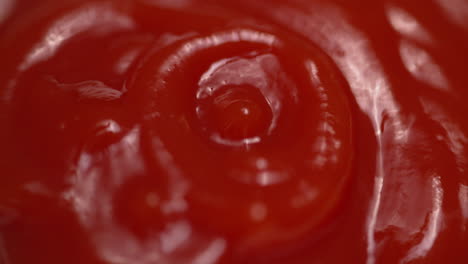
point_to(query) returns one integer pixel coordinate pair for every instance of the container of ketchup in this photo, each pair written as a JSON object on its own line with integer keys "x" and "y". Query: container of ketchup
{"x": 233, "y": 132}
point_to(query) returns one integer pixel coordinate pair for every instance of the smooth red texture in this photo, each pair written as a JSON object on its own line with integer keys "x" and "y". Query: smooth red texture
{"x": 234, "y": 132}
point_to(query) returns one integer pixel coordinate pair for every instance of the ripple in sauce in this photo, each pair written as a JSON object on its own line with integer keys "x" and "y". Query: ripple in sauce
{"x": 233, "y": 132}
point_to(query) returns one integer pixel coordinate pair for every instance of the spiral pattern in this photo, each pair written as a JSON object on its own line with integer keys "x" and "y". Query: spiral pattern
{"x": 234, "y": 132}
{"x": 295, "y": 136}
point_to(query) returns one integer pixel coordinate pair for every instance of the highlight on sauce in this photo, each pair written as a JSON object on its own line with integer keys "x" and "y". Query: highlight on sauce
{"x": 233, "y": 132}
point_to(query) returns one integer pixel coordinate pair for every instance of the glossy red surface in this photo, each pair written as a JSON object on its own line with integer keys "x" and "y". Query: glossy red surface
{"x": 233, "y": 132}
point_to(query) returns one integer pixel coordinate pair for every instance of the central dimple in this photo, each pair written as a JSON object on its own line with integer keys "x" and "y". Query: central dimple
{"x": 237, "y": 113}
{"x": 237, "y": 98}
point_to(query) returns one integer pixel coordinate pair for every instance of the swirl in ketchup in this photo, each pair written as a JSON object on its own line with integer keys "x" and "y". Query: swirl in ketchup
{"x": 233, "y": 132}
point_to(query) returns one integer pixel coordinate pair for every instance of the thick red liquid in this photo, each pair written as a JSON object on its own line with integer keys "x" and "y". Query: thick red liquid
{"x": 233, "y": 132}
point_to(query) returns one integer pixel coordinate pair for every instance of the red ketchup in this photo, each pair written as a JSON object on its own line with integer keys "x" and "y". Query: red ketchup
{"x": 233, "y": 132}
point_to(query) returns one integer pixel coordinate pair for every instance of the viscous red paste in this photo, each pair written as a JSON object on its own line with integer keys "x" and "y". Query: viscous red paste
{"x": 233, "y": 132}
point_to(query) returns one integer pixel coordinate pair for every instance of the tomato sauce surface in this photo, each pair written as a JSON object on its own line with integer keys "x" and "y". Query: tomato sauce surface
{"x": 233, "y": 132}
